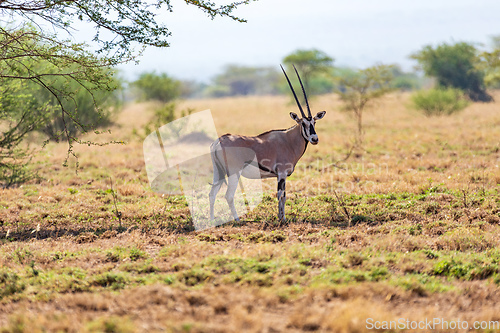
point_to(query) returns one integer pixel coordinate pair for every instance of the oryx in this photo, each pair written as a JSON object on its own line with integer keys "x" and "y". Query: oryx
{"x": 276, "y": 152}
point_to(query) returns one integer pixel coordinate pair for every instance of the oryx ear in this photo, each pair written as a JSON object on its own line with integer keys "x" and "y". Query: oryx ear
{"x": 319, "y": 115}
{"x": 294, "y": 116}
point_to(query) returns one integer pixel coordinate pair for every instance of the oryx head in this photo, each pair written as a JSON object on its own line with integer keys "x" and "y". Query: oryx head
{"x": 306, "y": 123}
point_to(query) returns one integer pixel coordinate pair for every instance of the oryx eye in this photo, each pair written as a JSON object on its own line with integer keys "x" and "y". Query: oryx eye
{"x": 304, "y": 126}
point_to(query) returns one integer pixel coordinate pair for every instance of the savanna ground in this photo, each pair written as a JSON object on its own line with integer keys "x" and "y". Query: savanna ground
{"x": 408, "y": 230}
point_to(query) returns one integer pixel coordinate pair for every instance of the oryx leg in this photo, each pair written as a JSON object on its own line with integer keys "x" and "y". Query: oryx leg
{"x": 232, "y": 185}
{"x": 281, "y": 195}
{"x": 219, "y": 176}
{"x": 213, "y": 194}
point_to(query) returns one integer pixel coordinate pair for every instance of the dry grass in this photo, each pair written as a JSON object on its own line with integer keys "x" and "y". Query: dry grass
{"x": 423, "y": 200}
{"x": 400, "y": 143}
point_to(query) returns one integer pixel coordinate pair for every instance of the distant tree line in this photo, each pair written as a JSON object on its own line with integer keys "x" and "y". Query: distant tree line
{"x": 459, "y": 66}
{"x": 460, "y": 72}
{"x": 316, "y": 69}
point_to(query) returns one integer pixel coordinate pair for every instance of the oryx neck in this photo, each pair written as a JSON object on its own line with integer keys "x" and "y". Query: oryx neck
{"x": 297, "y": 140}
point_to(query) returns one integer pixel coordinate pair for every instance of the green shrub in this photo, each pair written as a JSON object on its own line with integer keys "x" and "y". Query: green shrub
{"x": 164, "y": 115}
{"x": 87, "y": 107}
{"x": 10, "y": 283}
{"x": 437, "y": 102}
{"x": 110, "y": 279}
{"x": 157, "y": 87}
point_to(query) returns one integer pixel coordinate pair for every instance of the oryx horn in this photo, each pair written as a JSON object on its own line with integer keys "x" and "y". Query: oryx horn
{"x": 304, "y": 92}
{"x": 294, "y": 95}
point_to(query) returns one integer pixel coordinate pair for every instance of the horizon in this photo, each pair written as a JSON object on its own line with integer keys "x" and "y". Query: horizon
{"x": 357, "y": 34}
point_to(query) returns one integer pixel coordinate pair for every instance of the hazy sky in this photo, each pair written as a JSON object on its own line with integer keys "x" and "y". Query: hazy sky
{"x": 357, "y": 33}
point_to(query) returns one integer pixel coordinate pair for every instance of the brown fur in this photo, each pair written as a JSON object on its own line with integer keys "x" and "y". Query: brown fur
{"x": 277, "y": 151}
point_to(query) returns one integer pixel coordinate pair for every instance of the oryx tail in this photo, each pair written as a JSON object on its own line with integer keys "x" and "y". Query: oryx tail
{"x": 218, "y": 165}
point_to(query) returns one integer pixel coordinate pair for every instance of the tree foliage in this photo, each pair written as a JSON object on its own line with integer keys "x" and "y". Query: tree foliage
{"x": 158, "y": 87}
{"x": 454, "y": 66}
{"x": 91, "y": 110}
{"x": 405, "y": 81}
{"x": 245, "y": 80}
{"x": 361, "y": 88}
{"x": 33, "y": 51}
{"x": 310, "y": 64}
{"x": 20, "y": 114}
{"x": 490, "y": 64}
{"x": 119, "y": 25}
{"x": 47, "y": 81}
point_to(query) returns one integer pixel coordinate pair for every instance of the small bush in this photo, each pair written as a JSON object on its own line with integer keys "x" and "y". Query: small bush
{"x": 162, "y": 116}
{"x": 195, "y": 276}
{"x": 165, "y": 114}
{"x": 136, "y": 254}
{"x": 437, "y": 102}
{"x": 157, "y": 87}
{"x": 10, "y": 284}
{"x": 110, "y": 279}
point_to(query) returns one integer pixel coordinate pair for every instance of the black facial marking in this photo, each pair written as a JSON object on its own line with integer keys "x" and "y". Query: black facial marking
{"x": 311, "y": 129}
{"x": 304, "y": 132}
